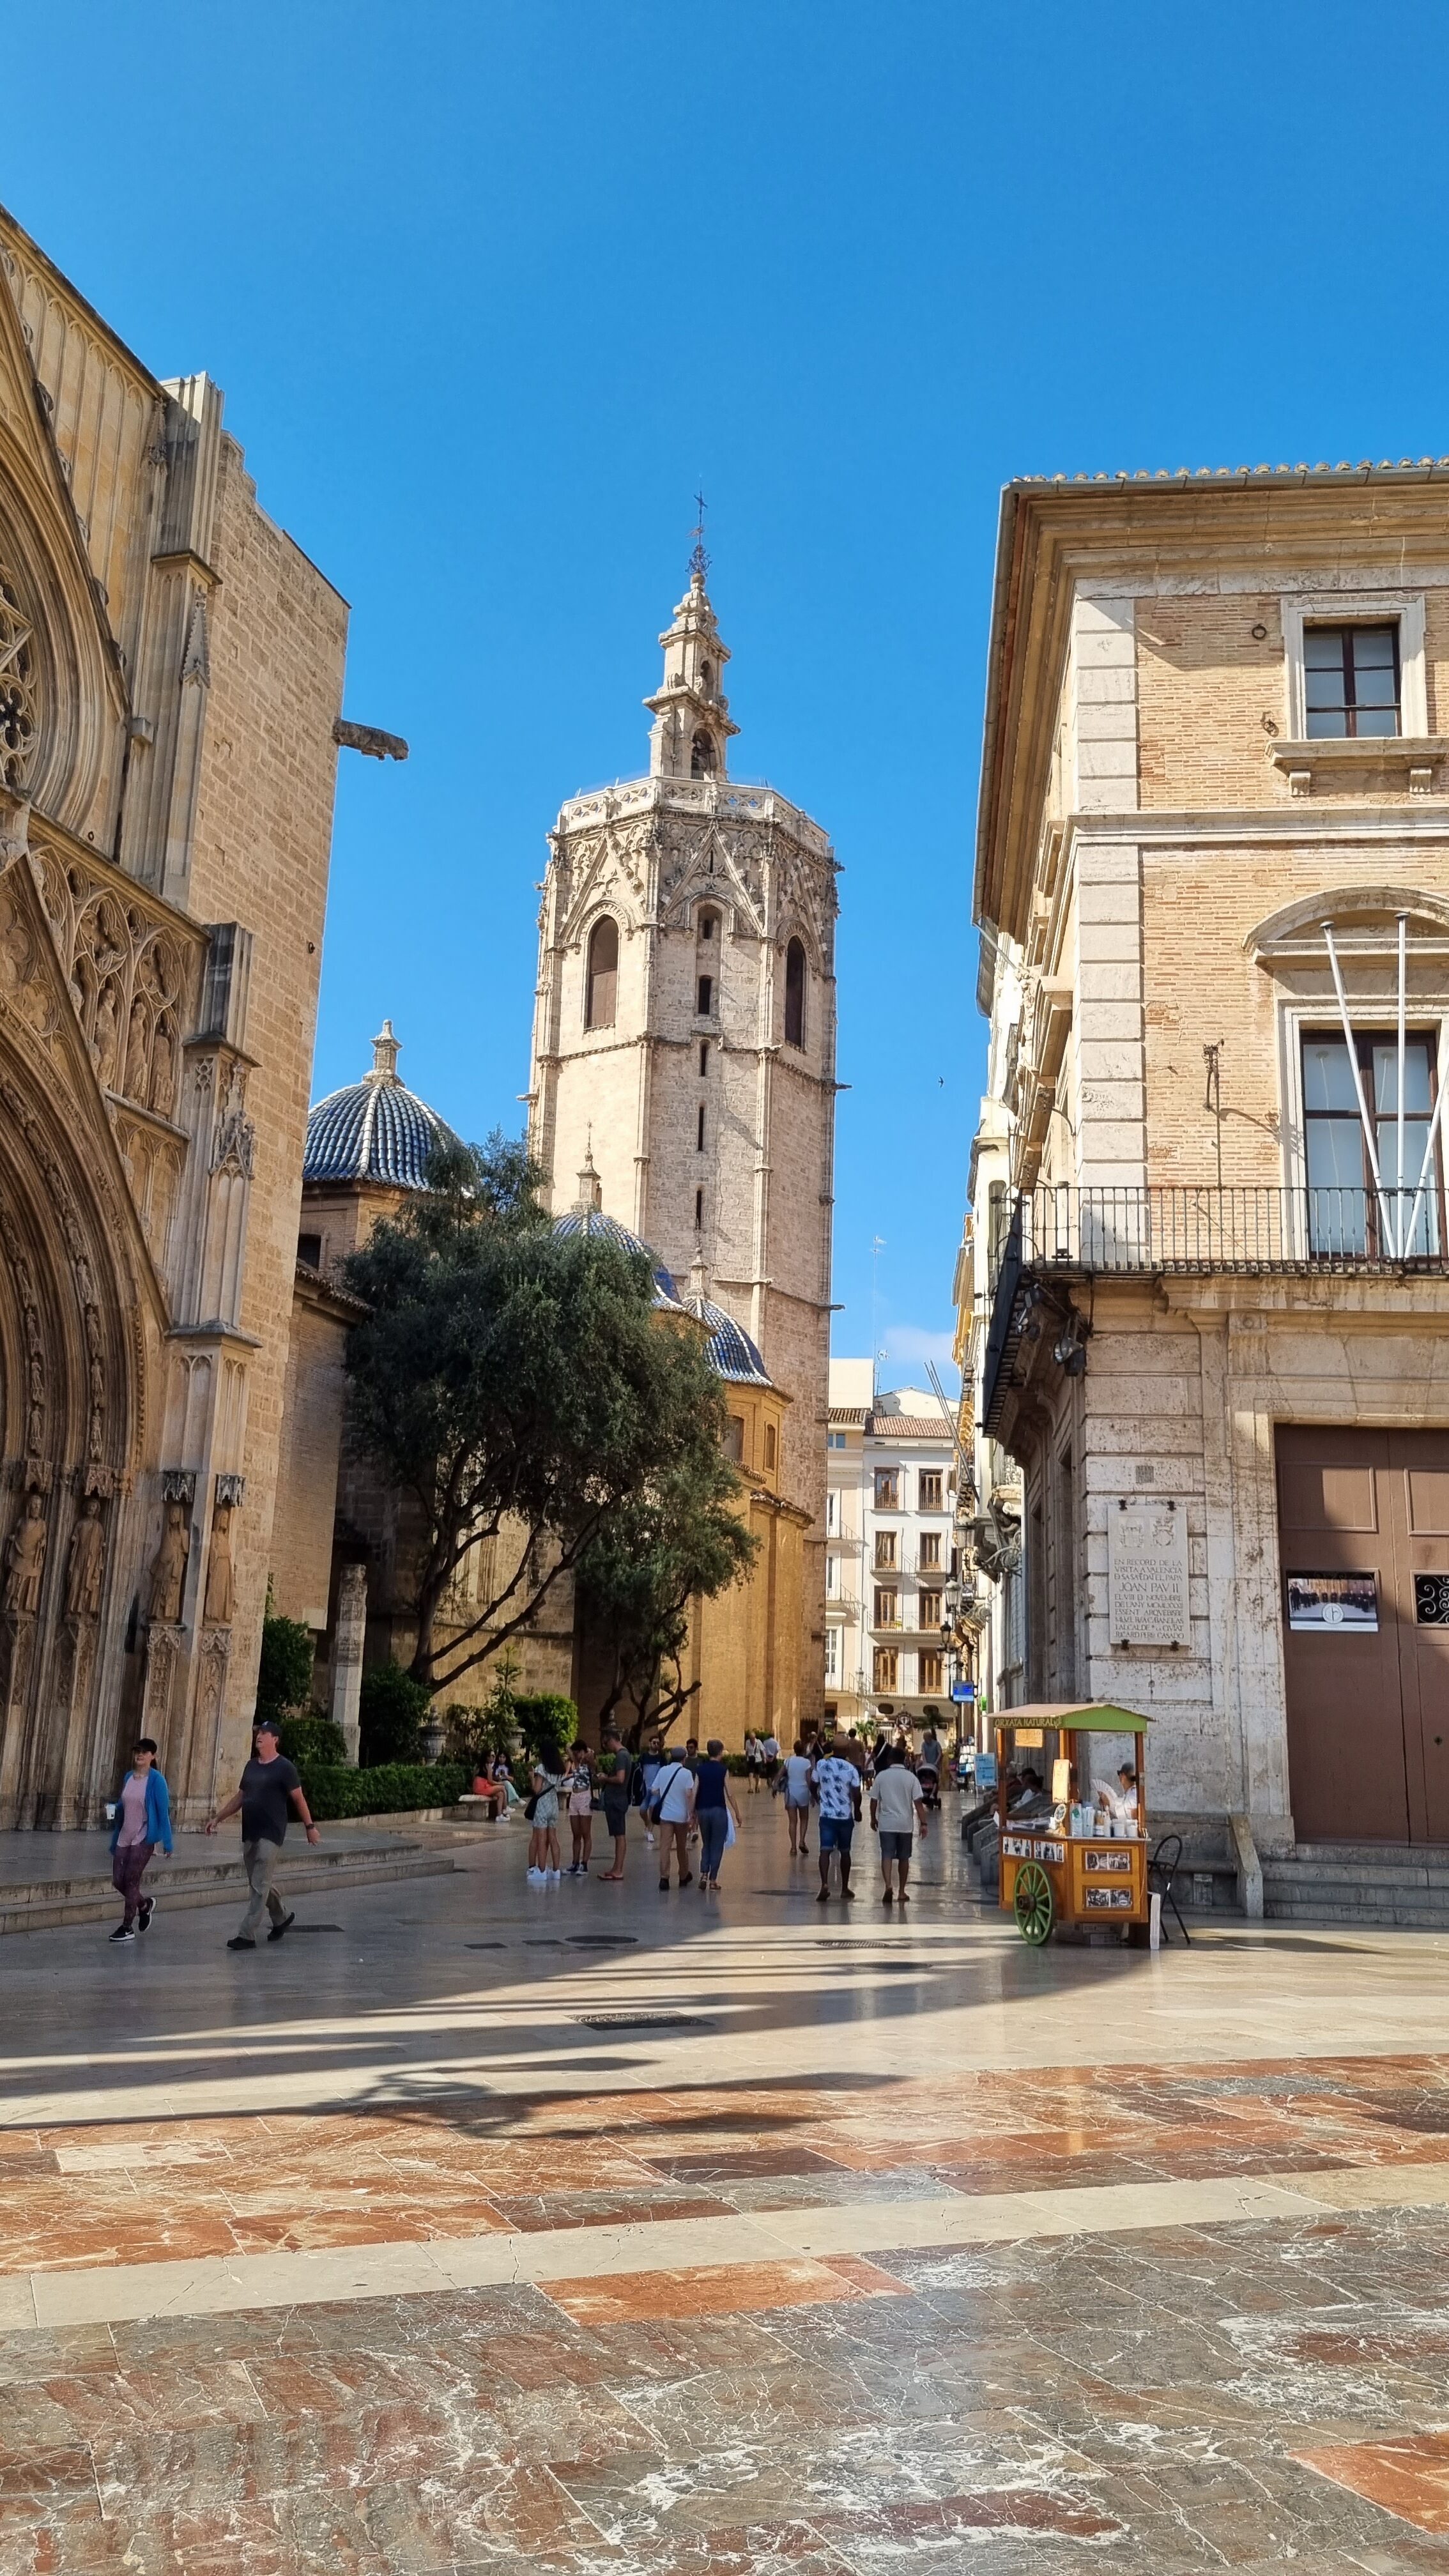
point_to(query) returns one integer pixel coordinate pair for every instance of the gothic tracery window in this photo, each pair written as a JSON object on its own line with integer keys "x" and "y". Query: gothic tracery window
{"x": 601, "y": 990}
{"x": 17, "y": 686}
{"x": 795, "y": 994}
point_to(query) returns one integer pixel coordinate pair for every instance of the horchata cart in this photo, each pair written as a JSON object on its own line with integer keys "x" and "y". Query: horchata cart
{"x": 1068, "y": 1862}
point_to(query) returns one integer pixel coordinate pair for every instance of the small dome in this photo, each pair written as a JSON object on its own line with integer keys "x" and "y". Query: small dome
{"x": 374, "y": 1130}
{"x": 587, "y": 1219}
{"x": 731, "y": 1352}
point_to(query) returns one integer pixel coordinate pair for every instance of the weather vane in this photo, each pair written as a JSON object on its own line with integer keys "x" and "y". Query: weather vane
{"x": 699, "y": 560}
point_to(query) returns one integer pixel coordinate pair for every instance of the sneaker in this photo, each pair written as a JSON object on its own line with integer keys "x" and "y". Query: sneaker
{"x": 824, "y": 1897}
{"x": 664, "y": 1887}
{"x": 239, "y": 1941}
{"x": 849, "y": 1894}
{"x": 889, "y": 1897}
{"x": 537, "y": 1877}
{"x": 148, "y": 1908}
{"x": 688, "y": 1879}
{"x": 123, "y": 1932}
{"x": 553, "y": 1875}
{"x": 278, "y": 1929}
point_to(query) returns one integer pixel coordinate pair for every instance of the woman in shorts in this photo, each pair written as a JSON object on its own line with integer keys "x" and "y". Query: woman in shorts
{"x": 794, "y": 1782}
{"x": 543, "y": 1860}
{"x": 579, "y": 1789}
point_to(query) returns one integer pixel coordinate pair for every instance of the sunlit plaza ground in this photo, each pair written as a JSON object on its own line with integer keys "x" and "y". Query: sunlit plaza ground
{"x": 481, "y": 2226}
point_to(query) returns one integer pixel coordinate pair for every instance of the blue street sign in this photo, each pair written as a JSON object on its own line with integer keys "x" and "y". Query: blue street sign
{"x": 963, "y": 1690}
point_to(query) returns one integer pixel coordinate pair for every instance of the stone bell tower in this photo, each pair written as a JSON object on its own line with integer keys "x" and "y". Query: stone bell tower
{"x": 685, "y": 1029}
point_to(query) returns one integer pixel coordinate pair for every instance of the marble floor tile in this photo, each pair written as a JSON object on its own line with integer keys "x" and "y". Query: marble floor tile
{"x": 708, "y": 2289}
{"x": 1407, "y": 2477}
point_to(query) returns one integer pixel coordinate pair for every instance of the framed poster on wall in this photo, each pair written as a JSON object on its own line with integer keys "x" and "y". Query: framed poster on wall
{"x": 1340, "y": 1601}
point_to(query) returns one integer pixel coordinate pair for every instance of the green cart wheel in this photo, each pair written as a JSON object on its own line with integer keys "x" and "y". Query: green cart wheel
{"x": 1035, "y": 1906}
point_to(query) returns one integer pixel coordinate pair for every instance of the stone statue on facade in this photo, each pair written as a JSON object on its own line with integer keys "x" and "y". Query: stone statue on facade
{"x": 86, "y": 1562}
{"x": 162, "y": 1082}
{"x": 220, "y": 1581}
{"x": 105, "y": 1037}
{"x": 168, "y": 1573}
{"x": 136, "y": 1054}
{"x": 25, "y": 1559}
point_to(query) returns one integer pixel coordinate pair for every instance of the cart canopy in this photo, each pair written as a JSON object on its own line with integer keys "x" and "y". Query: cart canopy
{"x": 1090, "y": 1717}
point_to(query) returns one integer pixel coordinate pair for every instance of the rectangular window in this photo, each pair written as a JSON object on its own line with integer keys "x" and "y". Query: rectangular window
{"x": 704, "y": 1055}
{"x": 698, "y": 1210}
{"x": 832, "y": 1654}
{"x": 930, "y": 1549}
{"x": 772, "y": 1447}
{"x": 1345, "y": 1212}
{"x": 832, "y": 1577}
{"x": 699, "y": 1139}
{"x": 309, "y": 1250}
{"x": 835, "y": 1440}
{"x": 885, "y": 1547}
{"x": 887, "y": 1665}
{"x": 929, "y": 1612}
{"x": 1351, "y": 680}
{"x": 734, "y": 1438}
{"x": 887, "y": 1607}
{"x": 928, "y": 1668}
{"x": 887, "y": 1489}
{"x": 832, "y": 1512}
{"x": 706, "y": 996}
{"x": 930, "y": 1489}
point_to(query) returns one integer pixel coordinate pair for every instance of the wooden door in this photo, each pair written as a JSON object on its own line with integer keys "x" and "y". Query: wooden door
{"x": 1367, "y": 1705}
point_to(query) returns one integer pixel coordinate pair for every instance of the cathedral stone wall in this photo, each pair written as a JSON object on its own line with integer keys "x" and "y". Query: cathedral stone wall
{"x": 263, "y": 838}
{"x": 165, "y": 824}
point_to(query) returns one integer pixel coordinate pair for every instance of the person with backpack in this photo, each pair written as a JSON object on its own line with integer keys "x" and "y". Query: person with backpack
{"x": 671, "y": 1804}
{"x": 143, "y": 1819}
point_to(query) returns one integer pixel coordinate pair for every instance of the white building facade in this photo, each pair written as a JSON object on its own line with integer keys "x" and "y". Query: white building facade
{"x": 890, "y": 1553}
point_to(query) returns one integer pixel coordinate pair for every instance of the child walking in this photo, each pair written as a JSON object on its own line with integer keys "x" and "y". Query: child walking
{"x": 543, "y": 1859}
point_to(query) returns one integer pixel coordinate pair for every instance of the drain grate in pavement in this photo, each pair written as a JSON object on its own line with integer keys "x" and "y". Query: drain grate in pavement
{"x": 603, "y": 1940}
{"x": 644, "y": 2021}
{"x": 294, "y": 1929}
{"x": 484, "y": 1945}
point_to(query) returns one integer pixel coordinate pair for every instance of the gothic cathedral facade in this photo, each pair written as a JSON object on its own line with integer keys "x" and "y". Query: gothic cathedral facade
{"x": 170, "y": 680}
{"x": 684, "y": 1033}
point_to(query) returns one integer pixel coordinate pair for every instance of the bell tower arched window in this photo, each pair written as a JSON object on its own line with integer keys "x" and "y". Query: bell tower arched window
{"x": 795, "y": 994}
{"x": 701, "y": 757}
{"x": 601, "y": 990}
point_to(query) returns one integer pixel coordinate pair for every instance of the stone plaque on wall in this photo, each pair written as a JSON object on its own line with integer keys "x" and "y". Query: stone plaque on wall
{"x": 1147, "y": 1603}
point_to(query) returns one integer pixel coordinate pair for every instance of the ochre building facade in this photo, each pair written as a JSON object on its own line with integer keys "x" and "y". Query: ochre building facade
{"x": 1206, "y": 1273}
{"x": 170, "y": 676}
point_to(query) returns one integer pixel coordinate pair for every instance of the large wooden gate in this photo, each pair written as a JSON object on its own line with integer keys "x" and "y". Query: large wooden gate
{"x": 1363, "y": 1519}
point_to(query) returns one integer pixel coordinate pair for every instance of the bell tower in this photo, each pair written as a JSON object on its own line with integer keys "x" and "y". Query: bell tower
{"x": 691, "y": 730}
{"x": 684, "y": 1041}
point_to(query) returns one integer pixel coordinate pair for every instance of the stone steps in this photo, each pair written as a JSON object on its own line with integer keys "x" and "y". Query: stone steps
{"x": 1397, "y": 1884}
{"x": 42, "y": 1905}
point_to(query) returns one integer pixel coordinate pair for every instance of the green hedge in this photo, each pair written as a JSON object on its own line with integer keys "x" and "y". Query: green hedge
{"x": 387, "y": 1789}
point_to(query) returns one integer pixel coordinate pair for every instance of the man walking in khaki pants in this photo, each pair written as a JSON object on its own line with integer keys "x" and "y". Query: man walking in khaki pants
{"x": 269, "y": 1784}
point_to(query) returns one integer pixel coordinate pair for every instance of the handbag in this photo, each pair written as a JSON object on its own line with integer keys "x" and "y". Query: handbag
{"x": 530, "y": 1806}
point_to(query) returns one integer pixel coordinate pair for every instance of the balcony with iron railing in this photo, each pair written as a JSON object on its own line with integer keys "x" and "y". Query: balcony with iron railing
{"x": 1180, "y": 1229}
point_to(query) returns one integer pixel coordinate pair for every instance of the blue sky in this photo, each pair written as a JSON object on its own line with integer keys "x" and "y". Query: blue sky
{"x": 491, "y": 288}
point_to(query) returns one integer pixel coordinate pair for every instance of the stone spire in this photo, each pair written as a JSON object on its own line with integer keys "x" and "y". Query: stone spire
{"x": 692, "y": 727}
{"x": 384, "y": 1055}
{"x": 591, "y": 1188}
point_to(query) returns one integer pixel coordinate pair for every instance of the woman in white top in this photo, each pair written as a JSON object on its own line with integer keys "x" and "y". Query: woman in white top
{"x": 794, "y": 1782}
{"x": 673, "y": 1807}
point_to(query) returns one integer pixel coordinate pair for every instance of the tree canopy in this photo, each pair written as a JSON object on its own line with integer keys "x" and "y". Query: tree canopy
{"x": 679, "y": 1537}
{"x": 507, "y": 1374}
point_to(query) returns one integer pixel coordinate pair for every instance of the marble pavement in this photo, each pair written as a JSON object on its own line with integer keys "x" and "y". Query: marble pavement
{"x": 476, "y": 2226}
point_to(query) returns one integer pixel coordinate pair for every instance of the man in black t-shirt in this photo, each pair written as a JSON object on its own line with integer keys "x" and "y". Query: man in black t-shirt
{"x": 615, "y": 1774}
{"x": 269, "y": 1785}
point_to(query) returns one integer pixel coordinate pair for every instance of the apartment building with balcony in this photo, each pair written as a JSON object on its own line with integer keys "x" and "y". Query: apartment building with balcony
{"x": 889, "y": 1552}
{"x": 1208, "y": 1305}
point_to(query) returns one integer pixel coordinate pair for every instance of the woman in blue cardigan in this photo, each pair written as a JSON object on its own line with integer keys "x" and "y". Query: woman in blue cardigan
{"x": 143, "y": 1819}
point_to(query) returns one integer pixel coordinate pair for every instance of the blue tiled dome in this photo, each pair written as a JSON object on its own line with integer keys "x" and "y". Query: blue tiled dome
{"x": 375, "y": 1130}
{"x": 591, "y": 1220}
{"x": 732, "y": 1354}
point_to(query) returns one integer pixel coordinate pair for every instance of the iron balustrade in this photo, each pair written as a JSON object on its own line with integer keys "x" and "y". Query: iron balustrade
{"x": 1179, "y": 1226}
